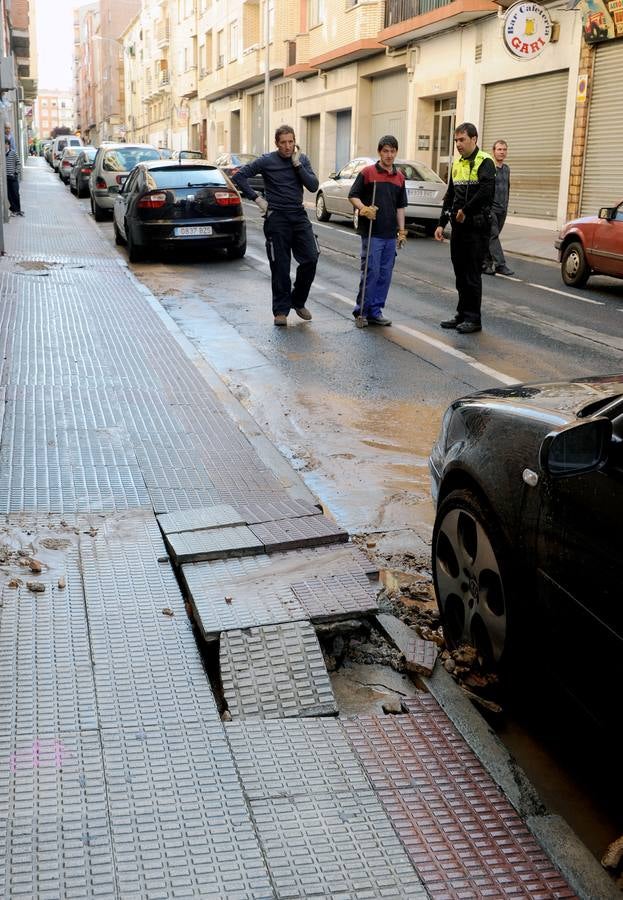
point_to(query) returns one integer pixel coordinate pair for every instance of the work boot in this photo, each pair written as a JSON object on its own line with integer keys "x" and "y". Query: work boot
{"x": 303, "y": 313}
{"x": 451, "y": 323}
{"x": 488, "y": 270}
{"x": 281, "y": 320}
{"x": 468, "y": 327}
{"x": 378, "y": 320}
{"x": 503, "y": 270}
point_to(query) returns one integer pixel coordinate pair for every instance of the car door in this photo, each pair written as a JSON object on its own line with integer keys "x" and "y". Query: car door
{"x": 607, "y": 251}
{"x": 579, "y": 616}
{"x": 336, "y": 195}
{"x": 120, "y": 205}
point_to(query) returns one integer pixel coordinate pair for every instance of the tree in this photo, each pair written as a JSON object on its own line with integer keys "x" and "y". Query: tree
{"x": 60, "y": 129}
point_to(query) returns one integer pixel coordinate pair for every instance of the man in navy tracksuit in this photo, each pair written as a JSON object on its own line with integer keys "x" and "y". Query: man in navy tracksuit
{"x": 287, "y": 228}
{"x": 386, "y": 184}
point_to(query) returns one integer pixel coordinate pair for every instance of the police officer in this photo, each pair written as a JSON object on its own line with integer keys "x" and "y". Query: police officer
{"x": 287, "y": 228}
{"x": 467, "y": 205}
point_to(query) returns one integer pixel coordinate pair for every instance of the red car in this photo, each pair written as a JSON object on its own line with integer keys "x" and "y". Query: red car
{"x": 592, "y": 245}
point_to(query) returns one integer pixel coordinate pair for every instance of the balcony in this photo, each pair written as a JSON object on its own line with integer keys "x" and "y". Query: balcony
{"x": 407, "y": 20}
{"x": 163, "y": 33}
{"x": 187, "y": 83}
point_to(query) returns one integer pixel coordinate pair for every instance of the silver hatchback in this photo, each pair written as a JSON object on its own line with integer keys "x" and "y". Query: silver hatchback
{"x": 110, "y": 169}
{"x": 425, "y": 193}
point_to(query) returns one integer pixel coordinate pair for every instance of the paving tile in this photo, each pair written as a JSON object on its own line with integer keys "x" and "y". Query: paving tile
{"x": 198, "y": 519}
{"x": 213, "y": 543}
{"x": 336, "y": 596}
{"x": 180, "y": 824}
{"x": 266, "y": 511}
{"x": 463, "y": 836}
{"x": 275, "y": 672}
{"x": 420, "y": 655}
{"x": 305, "y": 531}
{"x": 294, "y": 757}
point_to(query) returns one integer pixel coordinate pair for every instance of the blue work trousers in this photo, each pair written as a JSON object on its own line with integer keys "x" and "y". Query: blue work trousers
{"x": 380, "y": 267}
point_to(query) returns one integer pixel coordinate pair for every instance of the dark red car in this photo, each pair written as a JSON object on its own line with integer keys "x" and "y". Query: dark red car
{"x": 592, "y": 245}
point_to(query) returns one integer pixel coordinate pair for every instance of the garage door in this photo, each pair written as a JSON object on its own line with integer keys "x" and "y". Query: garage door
{"x": 529, "y": 114}
{"x": 389, "y": 107}
{"x": 602, "y": 181}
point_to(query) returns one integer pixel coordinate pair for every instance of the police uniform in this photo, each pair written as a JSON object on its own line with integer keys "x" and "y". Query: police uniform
{"x": 471, "y": 188}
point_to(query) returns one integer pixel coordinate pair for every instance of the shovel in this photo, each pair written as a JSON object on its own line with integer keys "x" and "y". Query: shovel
{"x": 361, "y": 321}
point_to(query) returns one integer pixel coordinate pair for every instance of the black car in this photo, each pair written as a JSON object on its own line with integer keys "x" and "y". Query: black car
{"x": 528, "y": 482}
{"x": 167, "y": 203}
{"x": 80, "y": 171}
{"x": 230, "y": 163}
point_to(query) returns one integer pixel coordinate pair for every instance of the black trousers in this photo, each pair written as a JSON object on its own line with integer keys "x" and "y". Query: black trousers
{"x": 12, "y": 189}
{"x": 289, "y": 233}
{"x": 467, "y": 252}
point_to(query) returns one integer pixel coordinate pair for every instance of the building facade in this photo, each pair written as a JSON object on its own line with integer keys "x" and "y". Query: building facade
{"x": 53, "y": 109}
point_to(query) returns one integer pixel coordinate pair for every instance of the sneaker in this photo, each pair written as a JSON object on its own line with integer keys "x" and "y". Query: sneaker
{"x": 504, "y": 270}
{"x": 303, "y": 313}
{"x": 451, "y": 323}
{"x": 378, "y": 320}
{"x": 468, "y": 327}
{"x": 489, "y": 270}
{"x": 281, "y": 320}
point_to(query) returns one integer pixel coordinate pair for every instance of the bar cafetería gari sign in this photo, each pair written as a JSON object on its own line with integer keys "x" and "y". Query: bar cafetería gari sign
{"x": 527, "y": 30}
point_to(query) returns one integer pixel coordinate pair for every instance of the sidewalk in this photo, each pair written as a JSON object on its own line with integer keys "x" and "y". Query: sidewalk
{"x": 526, "y": 240}
{"x": 128, "y": 495}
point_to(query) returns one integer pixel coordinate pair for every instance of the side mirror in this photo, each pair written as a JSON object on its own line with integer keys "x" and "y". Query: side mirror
{"x": 577, "y": 449}
{"x": 333, "y": 175}
{"x": 608, "y": 213}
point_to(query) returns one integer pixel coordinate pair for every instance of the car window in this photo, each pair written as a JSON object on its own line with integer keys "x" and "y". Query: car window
{"x": 130, "y": 183}
{"x": 359, "y": 167}
{"x": 619, "y": 214}
{"x": 221, "y": 161}
{"x": 61, "y": 146}
{"x": 347, "y": 171}
{"x": 241, "y": 159}
{"x": 122, "y": 159}
{"x": 179, "y": 177}
{"x": 418, "y": 172}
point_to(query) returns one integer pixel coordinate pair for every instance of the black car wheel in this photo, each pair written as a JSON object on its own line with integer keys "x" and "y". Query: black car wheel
{"x": 98, "y": 214}
{"x": 321, "y": 210}
{"x": 135, "y": 253}
{"x": 238, "y": 251}
{"x": 471, "y": 575}
{"x": 573, "y": 267}
{"x": 118, "y": 239}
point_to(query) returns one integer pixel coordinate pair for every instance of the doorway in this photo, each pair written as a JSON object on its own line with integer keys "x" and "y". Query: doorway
{"x": 234, "y": 131}
{"x": 443, "y": 135}
{"x": 342, "y": 138}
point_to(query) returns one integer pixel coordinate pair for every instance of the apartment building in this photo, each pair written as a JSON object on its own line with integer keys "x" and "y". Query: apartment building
{"x": 53, "y": 109}
{"x": 343, "y": 72}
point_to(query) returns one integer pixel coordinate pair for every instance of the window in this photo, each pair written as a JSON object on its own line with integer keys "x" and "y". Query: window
{"x": 220, "y": 49}
{"x": 207, "y": 59}
{"x": 282, "y": 95}
{"x": 315, "y": 13}
{"x": 233, "y": 40}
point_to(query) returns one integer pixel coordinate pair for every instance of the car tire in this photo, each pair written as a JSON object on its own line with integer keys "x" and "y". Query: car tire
{"x": 135, "y": 253}
{"x": 237, "y": 252}
{"x": 72, "y": 189}
{"x": 98, "y": 214}
{"x": 118, "y": 239}
{"x": 321, "y": 210}
{"x": 430, "y": 228}
{"x": 573, "y": 266}
{"x": 472, "y": 577}
{"x": 356, "y": 219}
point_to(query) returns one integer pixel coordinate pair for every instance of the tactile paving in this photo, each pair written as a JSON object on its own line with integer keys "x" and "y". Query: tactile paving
{"x": 336, "y": 596}
{"x": 334, "y": 846}
{"x": 55, "y": 836}
{"x": 275, "y": 672}
{"x": 463, "y": 835}
{"x": 292, "y": 757}
{"x": 213, "y": 543}
{"x": 305, "y": 531}
{"x": 180, "y": 824}
{"x": 147, "y": 666}
{"x": 253, "y": 513}
{"x": 198, "y": 519}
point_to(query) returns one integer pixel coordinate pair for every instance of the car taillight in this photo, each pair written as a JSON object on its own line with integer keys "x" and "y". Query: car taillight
{"x": 100, "y": 184}
{"x": 226, "y": 198}
{"x": 152, "y": 201}
{"x": 86, "y": 170}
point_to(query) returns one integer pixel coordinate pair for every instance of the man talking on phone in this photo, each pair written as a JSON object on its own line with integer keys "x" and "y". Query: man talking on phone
{"x": 287, "y": 229}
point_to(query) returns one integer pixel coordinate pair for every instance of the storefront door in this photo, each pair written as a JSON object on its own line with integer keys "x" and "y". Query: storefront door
{"x": 443, "y": 135}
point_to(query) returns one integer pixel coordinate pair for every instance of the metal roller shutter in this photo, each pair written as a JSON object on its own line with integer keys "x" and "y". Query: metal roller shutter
{"x": 389, "y": 104}
{"x": 602, "y": 181}
{"x": 529, "y": 113}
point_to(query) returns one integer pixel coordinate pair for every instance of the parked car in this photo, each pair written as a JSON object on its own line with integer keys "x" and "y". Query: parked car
{"x": 165, "y": 153}
{"x": 59, "y": 144}
{"x": 425, "y": 193}
{"x": 110, "y": 169}
{"x": 528, "y": 482}
{"x": 43, "y": 148}
{"x": 176, "y": 203}
{"x": 187, "y": 154}
{"x": 231, "y": 162}
{"x": 592, "y": 245}
{"x": 81, "y": 171}
{"x": 66, "y": 163}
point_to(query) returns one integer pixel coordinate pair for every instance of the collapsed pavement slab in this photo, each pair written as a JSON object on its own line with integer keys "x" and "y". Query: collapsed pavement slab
{"x": 420, "y": 655}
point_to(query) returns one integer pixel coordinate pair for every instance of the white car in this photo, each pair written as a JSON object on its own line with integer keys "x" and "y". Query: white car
{"x": 58, "y": 145}
{"x": 110, "y": 169}
{"x": 425, "y": 193}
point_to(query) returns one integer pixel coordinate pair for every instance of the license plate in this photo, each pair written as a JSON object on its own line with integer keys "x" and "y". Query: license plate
{"x": 414, "y": 194}
{"x": 191, "y": 230}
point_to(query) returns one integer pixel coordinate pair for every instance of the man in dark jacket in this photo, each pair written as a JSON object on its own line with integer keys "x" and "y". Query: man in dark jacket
{"x": 467, "y": 205}
{"x": 495, "y": 261}
{"x": 13, "y": 171}
{"x": 287, "y": 229}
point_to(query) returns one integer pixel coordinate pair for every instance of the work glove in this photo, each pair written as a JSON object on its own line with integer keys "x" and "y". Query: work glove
{"x": 296, "y": 157}
{"x": 368, "y": 212}
{"x": 402, "y": 238}
{"x": 261, "y": 202}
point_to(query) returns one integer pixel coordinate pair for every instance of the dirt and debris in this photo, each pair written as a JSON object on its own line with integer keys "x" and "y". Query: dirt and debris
{"x": 37, "y": 587}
